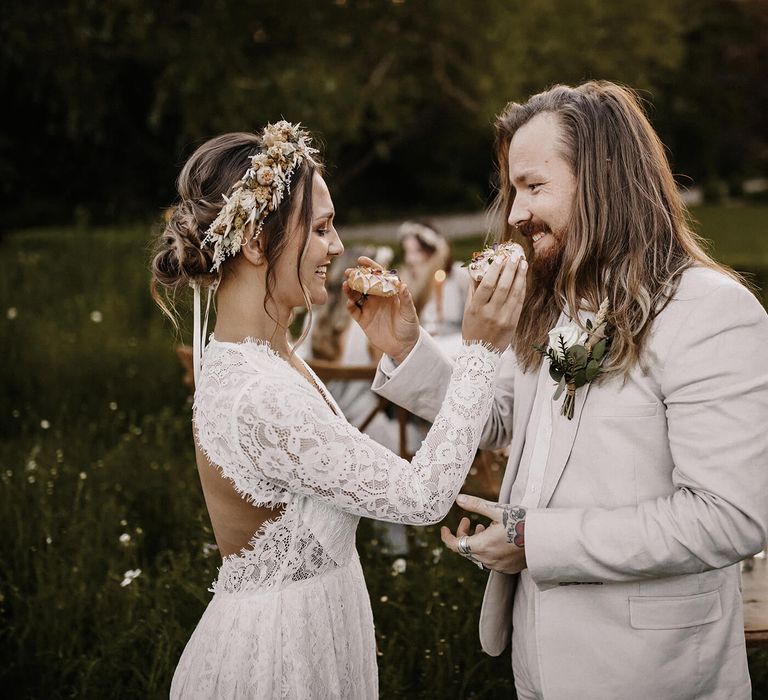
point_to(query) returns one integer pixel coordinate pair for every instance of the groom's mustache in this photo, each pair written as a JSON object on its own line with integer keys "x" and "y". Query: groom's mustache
{"x": 528, "y": 228}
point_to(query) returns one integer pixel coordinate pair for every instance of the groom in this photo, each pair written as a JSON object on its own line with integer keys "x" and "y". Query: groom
{"x": 615, "y": 544}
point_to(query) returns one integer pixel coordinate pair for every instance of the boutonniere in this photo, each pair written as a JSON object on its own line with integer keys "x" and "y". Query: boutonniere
{"x": 575, "y": 358}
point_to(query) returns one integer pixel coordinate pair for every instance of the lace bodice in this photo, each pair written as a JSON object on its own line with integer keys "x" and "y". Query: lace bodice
{"x": 281, "y": 443}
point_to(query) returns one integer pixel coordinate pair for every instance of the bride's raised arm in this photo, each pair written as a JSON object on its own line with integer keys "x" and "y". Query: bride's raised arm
{"x": 274, "y": 426}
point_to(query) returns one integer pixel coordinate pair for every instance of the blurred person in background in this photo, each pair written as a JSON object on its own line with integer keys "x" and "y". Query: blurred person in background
{"x": 334, "y": 337}
{"x": 438, "y": 284}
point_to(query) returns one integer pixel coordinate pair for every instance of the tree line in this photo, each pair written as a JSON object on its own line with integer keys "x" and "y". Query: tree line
{"x": 104, "y": 100}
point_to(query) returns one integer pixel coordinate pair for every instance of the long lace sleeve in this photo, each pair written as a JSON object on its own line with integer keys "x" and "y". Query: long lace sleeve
{"x": 280, "y": 430}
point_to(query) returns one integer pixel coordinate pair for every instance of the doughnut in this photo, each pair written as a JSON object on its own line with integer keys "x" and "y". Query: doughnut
{"x": 481, "y": 261}
{"x": 377, "y": 283}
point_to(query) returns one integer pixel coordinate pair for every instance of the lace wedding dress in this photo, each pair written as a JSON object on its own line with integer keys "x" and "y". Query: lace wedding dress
{"x": 290, "y": 616}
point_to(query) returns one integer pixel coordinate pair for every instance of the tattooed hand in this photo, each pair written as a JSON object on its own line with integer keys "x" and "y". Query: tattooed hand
{"x": 499, "y": 546}
{"x": 513, "y": 518}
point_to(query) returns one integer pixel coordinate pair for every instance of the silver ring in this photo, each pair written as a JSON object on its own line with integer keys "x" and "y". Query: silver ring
{"x": 463, "y": 546}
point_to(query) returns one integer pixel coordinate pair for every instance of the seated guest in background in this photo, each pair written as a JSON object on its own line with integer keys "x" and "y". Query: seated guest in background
{"x": 332, "y": 336}
{"x": 439, "y": 286}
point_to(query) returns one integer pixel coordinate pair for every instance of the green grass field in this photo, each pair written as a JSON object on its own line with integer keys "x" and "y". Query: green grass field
{"x": 98, "y": 479}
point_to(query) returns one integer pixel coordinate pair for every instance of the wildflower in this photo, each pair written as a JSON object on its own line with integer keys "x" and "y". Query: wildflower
{"x": 129, "y": 575}
{"x": 384, "y": 599}
{"x": 436, "y": 554}
{"x": 96, "y": 316}
{"x": 48, "y": 540}
{"x": 44, "y": 424}
{"x": 31, "y": 479}
{"x": 209, "y": 548}
{"x": 113, "y": 405}
{"x": 398, "y": 566}
{"x": 83, "y": 476}
{"x": 11, "y": 313}
{"x": 125, "y": 538}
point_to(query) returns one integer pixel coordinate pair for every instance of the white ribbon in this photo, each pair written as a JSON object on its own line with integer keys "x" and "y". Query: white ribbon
{"x": 198, "y": 337}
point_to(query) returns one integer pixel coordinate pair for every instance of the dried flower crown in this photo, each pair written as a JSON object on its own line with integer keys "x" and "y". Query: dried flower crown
{"x": 261, "y": 189}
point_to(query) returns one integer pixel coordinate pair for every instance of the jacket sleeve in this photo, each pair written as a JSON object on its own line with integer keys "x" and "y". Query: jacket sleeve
{"x": 277, "y": 428}
{"x": 715, "y": 388}
{"x": 418, "y": 384}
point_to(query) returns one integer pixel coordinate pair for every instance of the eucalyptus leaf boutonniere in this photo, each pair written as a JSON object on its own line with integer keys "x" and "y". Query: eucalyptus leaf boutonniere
{"x": 575, "y": 358}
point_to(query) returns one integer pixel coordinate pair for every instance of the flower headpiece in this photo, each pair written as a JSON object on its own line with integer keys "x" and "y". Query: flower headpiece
{"x": 425, "y": 233}
{"x": 261, "y": 189}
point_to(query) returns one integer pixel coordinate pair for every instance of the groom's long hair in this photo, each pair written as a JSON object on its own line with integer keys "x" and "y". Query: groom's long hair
{"x": 629, "y": 237}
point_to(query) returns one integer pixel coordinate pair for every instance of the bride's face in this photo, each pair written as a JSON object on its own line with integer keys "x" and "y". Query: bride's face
{"x": 323, "y": 245}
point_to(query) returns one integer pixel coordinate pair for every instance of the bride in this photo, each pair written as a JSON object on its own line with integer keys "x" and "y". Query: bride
{"x": 285, "y": 476}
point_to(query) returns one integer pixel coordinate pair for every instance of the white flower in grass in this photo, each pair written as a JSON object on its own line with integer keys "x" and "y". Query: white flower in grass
{"x": 11, "y": 313}
{"x": 96, "y": 316}
{"x": 436, "y": 554}
{"x": 399, "y": 566}
{"x": 209, "y": 548}
{"x": 44, "y": 424}
{"x": 125, "y": 538}
{"x": 129, "y": 575}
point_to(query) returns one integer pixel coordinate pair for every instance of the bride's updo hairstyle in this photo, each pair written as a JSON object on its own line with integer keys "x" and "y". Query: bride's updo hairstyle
{"x": 212, "y": 171}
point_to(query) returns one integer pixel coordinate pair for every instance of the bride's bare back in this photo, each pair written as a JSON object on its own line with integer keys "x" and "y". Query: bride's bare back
{"x": 234, "y": 520}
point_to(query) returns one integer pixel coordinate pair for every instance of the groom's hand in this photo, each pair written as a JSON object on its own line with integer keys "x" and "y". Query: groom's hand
{"x": 501, "y": 545}
{"x": 391, "y": 323}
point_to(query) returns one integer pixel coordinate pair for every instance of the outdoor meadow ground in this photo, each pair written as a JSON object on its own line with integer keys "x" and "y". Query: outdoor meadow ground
{"x": 98, "y": 479}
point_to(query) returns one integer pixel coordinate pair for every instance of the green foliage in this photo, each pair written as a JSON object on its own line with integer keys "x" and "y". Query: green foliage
{"x": 599, "y": 350}
{"x": 117, "y": 94}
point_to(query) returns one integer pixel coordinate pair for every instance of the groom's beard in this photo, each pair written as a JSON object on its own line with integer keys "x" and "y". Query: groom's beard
{"x": 545, "y": 266}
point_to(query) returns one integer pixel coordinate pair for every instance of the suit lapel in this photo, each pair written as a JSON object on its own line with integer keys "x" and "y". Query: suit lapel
{"x": 562, "y": 444}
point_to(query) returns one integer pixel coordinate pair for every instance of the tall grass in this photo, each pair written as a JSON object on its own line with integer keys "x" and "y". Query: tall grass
{"x": 98, "y": 479}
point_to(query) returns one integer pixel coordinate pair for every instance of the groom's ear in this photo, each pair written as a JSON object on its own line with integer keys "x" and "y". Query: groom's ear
{"x": 254, "y": 251}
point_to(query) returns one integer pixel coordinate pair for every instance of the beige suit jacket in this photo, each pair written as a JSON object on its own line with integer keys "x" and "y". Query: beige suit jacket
{"x": 653, "y": 493}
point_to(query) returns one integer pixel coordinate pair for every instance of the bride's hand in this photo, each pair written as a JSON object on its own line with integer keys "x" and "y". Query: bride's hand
{"x": 493, "y": 306}
{"x": 391, "y": 323}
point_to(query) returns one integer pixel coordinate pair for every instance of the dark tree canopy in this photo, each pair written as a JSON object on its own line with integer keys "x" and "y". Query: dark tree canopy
{"x": 106, "y": 99}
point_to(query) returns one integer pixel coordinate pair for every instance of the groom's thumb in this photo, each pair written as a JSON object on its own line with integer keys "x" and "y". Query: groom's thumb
{"x": 478, "y": 505}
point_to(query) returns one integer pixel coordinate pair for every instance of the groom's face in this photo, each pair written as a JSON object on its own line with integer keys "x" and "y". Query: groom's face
{"x": 544, "y": 189}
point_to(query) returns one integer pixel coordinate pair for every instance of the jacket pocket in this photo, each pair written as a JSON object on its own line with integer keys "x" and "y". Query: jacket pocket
{"x": 674, "y": 612}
